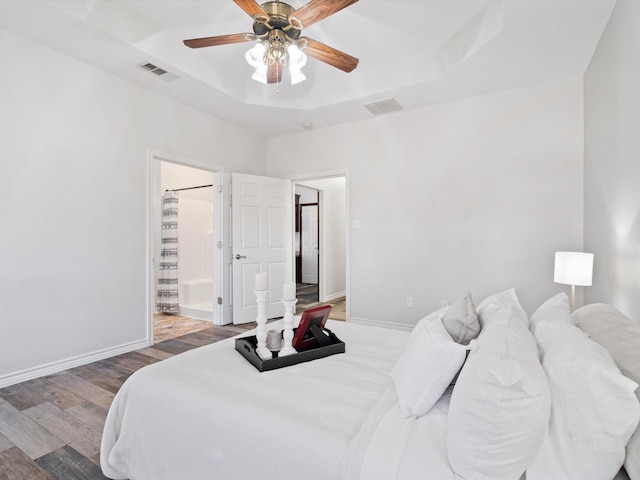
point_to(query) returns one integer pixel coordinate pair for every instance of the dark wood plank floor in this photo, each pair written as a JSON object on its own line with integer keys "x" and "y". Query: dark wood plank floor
{"x": 50, "y": 427}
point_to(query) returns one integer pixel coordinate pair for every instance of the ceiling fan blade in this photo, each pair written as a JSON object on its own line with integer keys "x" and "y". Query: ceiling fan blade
{"x": 329, "y": 55}
{"x": 274, "y": 72}
{"x": 251, "y": 7}
{"x": 317, "y": 10}
{"x": 219, "y": 40}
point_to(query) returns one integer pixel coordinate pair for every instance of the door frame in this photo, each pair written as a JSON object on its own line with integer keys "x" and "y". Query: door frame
{"x": 301, "y": 178}
{"x": 154, "y": 158}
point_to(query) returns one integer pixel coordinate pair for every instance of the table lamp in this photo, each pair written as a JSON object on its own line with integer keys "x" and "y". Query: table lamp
{"x": 573, "y": 268}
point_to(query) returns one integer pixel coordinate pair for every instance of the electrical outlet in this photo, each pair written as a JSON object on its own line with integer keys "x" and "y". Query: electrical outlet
{"x": 355, "y": 224}
{"x": 409, "y": 302}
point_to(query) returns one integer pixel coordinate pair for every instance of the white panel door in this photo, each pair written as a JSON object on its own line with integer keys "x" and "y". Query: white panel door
{"x": 309, "y": 243}
{"x": 262, "y": 231}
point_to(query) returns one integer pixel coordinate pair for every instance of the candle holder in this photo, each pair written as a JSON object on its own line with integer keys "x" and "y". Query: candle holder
{"x": 261, "y": 319}
{"x": 274, "y": 340}
{"x": 287, "y": 348}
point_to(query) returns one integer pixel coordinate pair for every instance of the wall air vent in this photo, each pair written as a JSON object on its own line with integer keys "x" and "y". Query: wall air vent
{"x": 159, "y": 72}
{"x": 383, "y": 106}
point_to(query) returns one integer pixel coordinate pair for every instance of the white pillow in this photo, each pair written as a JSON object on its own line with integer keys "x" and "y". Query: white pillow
{"x": 556, "y": 309}
{"x": 426, "y": 368}
{"x": 594, "y": 408}
{"x": 560, "y": 333}
{"x": 461, "y": 320}
{"x": 437, "y": 315}
{"x": 490, "y": 306}
{"x": 621, "y": 337}
{"x": 500, "y": 405}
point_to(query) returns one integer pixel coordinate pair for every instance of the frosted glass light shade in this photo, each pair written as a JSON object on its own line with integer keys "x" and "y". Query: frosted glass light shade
{"x": 255, "y": 56}
{"x": 573, "y": 268}
{"x": 260, "y": 74}
{"x": 297, "y": 59}
{"x": 296, "y": 76}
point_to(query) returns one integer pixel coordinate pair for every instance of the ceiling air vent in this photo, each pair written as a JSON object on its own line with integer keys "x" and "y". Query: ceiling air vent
{"x": 383, "y": 106}
{"x": 159, "y": 72}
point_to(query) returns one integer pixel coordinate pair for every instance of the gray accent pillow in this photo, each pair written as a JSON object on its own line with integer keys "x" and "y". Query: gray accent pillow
{"x": 461, "y": 320}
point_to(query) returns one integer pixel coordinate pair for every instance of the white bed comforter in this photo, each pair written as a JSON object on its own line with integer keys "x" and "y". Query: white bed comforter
{"x": 209, "y": 414}
{"x": 399, "y": 446}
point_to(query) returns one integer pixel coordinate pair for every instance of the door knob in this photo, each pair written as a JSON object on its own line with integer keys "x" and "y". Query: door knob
{"x": 238, "y": 256}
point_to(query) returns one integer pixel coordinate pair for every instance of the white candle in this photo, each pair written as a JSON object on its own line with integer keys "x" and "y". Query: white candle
{"x": 262, "y": 282}
{"x": 289, "y": 291}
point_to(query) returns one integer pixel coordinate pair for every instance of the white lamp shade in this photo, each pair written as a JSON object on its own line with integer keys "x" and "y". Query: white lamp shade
{"x": 573, "y": 268}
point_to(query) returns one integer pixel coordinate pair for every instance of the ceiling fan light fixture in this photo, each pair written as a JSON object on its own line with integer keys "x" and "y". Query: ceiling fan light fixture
{"x": 262, "y": 54}
{"x": 297, "y": 60}
{"x": 296, "y": 76}
{"x": 277, "y": 54}
{"x": 256, "y": 55}
{"x": 260, "y": 74}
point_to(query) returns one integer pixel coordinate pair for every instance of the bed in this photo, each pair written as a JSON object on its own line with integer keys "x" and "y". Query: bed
{"x": 209, "y": 414}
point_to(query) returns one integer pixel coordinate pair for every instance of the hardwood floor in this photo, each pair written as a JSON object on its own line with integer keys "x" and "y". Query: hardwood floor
{"x": 51, "y": 427}
{"x": 308, "y": 298}
{"x": 172, "y": 326}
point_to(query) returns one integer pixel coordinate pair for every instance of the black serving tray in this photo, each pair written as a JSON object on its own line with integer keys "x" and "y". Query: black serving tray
{"x": 247, "y": 347}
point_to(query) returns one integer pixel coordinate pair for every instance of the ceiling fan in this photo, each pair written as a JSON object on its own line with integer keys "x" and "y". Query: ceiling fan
{"x": 278, "y": 27}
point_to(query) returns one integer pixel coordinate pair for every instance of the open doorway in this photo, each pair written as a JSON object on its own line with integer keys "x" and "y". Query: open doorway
{"x": 184, "y": 227}
{"x": 321, "y": 243}
{"x": 307, "y": 242}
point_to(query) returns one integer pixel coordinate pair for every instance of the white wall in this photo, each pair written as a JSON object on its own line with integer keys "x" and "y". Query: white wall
{"x": 195, "y": 240}
{"x": 612, "y": 162}
{"x": 473, "y": 196}
{"x": 174, "y": 176}
{"x": 307, "y": 195}
{"x": 73, "y": 165}
{"x": 332, "y": 236}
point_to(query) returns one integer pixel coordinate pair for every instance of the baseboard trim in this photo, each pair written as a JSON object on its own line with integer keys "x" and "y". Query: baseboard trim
{"x": 334, "y": 296}
{"x": 197, "y": 313}
{"x": 376, "y": 323}
{"x": 55, "y": 367}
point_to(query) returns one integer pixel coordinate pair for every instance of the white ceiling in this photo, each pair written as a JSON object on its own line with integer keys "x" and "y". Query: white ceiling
{"x": 420, "y": 52}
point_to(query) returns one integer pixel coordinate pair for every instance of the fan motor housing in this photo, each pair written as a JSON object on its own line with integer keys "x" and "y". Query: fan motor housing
{"x": 278, "y": 13}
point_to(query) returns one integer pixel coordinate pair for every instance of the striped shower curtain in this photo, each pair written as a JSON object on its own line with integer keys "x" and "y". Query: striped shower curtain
{"x": 167, "y": 292}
